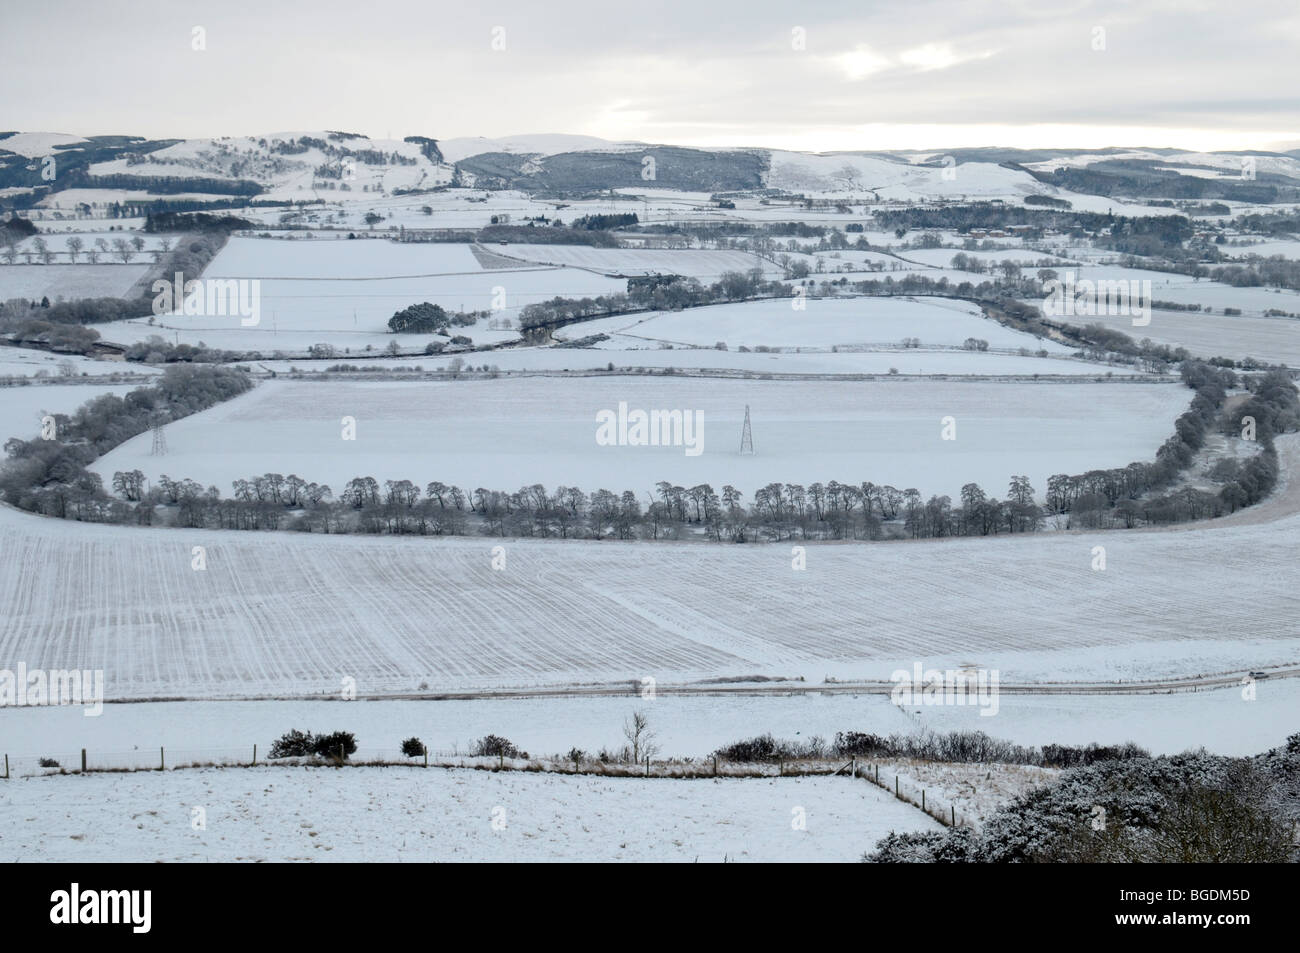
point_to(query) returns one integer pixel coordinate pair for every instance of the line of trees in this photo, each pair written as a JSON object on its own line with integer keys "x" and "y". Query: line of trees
{"x": 672, "y": 295}
{"x": 189, "y": 258}
{"x": 779, "y": 511}
{"x": 49, "y": 476}
{"x": 1128, "y": 497}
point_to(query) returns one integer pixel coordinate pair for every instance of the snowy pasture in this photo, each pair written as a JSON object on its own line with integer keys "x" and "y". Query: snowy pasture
{"x": 409, "y": 814}
{"x": 506, "y": 432}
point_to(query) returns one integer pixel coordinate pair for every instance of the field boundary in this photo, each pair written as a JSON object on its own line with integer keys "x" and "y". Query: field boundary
{"x": 703, "y": 769}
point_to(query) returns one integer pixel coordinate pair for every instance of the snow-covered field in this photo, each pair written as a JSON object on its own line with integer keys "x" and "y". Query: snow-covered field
{"x": 129, "y": 734}
{"x": 507, "y": 432}
{"x": 975, "y": 790}
{"x": 409, "y": 814}
{"x": 707, "y": 266}
{"x": 344, "y": 292}
{"x": 65, "y": 281}
{"x": 819, "y": 324}
{"x": 93, "y": 236}
{"x": 1214, "y": 335}
{"x": 1183, "y": 289}
{"x": 820, "y": 362}
{"x": 338, "y": 259}
{"x": 21, "y": 408}
{"x": 292, "y": 614}
{"x": 31, "y": 362}
{"x": 1027, "y": 258}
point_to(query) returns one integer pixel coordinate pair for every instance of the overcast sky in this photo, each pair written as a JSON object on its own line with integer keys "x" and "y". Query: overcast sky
{"x": 817, "y": 76}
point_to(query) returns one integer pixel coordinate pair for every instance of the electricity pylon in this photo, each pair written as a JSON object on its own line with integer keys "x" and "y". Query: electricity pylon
{"x": 746, "y": 436}
{"x": 159, "y": 439}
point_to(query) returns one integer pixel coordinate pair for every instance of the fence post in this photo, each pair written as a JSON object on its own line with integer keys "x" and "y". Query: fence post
{"x": 715, "y": 764}
{"x": 954, "y": 816}
{"x": 877, "y": 774}
{"x": 895, "y": 785}
{"x": 162, "y": 759}
{"x": 426, "y": 755}
{"x": 501, "y": 760}
{"x": 255, "y": 754}
{"x": 647, "y": 767}
{"x": 923, "y": 799}
{"x": 854, "y": 762}
{"x": 6, "y": 767}
{"x": 83, "y": 760}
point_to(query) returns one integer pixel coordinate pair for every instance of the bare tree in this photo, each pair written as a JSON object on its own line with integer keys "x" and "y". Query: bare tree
{"x": 75, "y": 244}
{"x": 640, "y": 738}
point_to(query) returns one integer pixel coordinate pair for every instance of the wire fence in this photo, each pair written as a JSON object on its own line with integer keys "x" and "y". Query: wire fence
{"x": 91, "y": 761}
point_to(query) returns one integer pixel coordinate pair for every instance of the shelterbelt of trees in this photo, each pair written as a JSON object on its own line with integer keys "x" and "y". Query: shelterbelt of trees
{"x": 61, "y": 325}
{"x": 50, "y": 477}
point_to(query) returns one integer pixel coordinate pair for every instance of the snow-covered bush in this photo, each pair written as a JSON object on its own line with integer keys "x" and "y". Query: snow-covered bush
{"x": 1192, "y": 807}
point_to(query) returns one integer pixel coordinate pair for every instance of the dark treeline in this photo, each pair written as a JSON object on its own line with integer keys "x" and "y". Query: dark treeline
{"x": 183, "y": 220}
{"x": 1125, "y": 496}
{"x": 778, "y": 511}
{"x": 166, "y": 185}
{"x": 49, "y": 476}
{"x": 1142, "y": 178}
{"x": 710, "y": 232}
{"x": 535, "y": 319}
{"x": 951, "y": 747}
{"x": 37, "y": 323}
{"x": 613, "y": 220}
{"x": 534, "y": 234}
{"x": 1273, "y": 272}
{"x": 1154, "y": 235}
{"x": 1282, "y": 223}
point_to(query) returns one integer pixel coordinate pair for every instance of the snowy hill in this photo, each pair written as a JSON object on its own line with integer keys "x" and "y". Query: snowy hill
{"x": 288, "y": 164}
{"x": 314, "y": 164}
